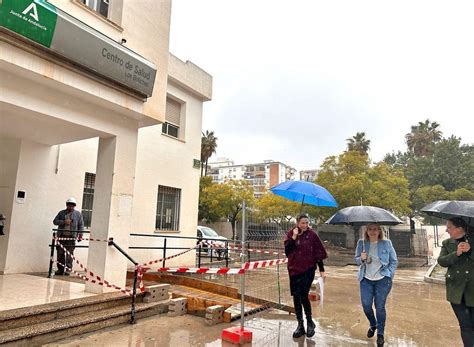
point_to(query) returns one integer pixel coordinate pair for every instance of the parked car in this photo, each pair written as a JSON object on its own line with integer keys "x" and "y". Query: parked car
{"x": 217, "y": 243}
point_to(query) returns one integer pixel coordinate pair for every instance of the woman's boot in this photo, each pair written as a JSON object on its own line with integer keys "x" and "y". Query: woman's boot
{"x": 310, "y": 326}
{"x": 299, "y": 330}
{"x": 299, "y": 317}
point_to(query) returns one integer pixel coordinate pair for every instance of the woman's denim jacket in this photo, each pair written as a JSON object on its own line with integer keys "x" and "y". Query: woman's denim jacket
{"x": 387, "y": 255}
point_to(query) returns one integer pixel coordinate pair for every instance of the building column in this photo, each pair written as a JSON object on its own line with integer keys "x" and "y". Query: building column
{"x": 112, "y": 209}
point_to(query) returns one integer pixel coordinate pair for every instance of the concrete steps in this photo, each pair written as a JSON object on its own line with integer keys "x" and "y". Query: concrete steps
{"x": 47, "y": 323}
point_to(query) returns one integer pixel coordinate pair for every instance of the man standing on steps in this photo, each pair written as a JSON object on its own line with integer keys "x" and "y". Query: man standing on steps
{"x": 70, "y": 224}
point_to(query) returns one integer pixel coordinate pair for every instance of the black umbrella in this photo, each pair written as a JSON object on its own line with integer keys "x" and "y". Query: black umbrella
{"x": 447, "y": 209}
{"x": 362, "y": 215}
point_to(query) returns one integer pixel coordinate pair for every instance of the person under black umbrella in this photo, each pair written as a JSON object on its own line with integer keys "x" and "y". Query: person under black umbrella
{"x": 456, "y": 254}
{"x": 378, "y": 261}
{"x": 305, "y": 251}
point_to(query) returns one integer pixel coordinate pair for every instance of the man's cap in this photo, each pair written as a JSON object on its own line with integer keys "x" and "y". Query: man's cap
{"x": 71, "y": 201}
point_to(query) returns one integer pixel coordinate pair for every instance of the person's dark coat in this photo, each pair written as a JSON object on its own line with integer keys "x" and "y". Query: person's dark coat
{"x": 460, "y": 275}
{"x": 304, "y": 253}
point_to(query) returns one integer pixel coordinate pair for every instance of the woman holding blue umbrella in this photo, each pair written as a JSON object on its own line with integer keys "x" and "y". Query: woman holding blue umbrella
{"x": 305, "y": 251}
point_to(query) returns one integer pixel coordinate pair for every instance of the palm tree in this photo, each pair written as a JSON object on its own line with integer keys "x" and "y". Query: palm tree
{"x": 208, "y": 148}
{"x": 358, "y": 143}
{"x": 422, "y": 137}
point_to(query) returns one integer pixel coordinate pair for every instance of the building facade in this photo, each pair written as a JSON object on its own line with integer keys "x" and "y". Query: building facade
{"x": 261, "y": 176}
{"x": 308, "y": 175}
{"x": 93, "y": 105}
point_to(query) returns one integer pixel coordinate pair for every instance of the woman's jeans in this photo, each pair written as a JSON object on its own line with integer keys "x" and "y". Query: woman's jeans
{"x": 465, "y": 315}
{"x": 375, "y": 292}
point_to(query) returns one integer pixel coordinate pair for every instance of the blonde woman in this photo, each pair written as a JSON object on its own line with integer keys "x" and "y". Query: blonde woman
{"x": 378, "y": 261}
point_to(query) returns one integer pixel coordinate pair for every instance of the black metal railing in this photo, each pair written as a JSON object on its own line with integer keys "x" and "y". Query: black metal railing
{"x": 110, "y": 242}
{"x": 165, "y": 248}
{"x": 199, "y": 250}
{"x": 135, "y": 278}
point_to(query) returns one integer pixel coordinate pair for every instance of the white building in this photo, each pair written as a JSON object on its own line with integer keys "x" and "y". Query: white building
{"x": 260, "y": 175}
{"x": 308, "y": 175}
{"x": 93, "y": 105}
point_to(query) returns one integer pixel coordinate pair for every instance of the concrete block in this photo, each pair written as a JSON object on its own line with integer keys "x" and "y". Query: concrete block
{"x": 177, "y": 307}
{"x": 156, "y": 293}
{"x": 214, "y": 315}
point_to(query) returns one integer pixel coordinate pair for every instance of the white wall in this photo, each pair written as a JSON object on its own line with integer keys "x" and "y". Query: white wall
{"x": 9, "y": 157}
{"x": 162, "y": 160}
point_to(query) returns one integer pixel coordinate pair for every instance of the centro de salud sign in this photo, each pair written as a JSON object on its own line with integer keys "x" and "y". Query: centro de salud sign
{"x": 56, "y": 30}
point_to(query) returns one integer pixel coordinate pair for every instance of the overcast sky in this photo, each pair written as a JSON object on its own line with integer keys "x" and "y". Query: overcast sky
{"x": 294, "y": 79}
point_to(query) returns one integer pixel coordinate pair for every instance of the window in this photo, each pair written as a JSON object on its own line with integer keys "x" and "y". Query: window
{"x": 88, "y": 199}
{"x": 167, "y": 210}
{"x": 173, "y": 118}
{"x": 170, "y": 129}
{"x": 101, "y": 6}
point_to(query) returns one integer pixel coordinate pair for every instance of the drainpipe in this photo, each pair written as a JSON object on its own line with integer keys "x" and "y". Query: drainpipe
{"x": 57, "y": 159}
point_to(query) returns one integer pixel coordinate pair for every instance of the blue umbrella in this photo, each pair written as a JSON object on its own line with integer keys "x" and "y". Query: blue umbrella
{"x": 305, "y": 192}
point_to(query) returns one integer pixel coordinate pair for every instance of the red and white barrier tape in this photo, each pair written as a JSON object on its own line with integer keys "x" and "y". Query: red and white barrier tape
{"x": 98, "y": 279}
{"x": 167, "y": 258}
{"x": 104, "y": 283}
{"x": 225, "y": 270}
{"x": 203, "y": 270}
{"x": 264, "y": 263}
{"x": 78, "y": 239}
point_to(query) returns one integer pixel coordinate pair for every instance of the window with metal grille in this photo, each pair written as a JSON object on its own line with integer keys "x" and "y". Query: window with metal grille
{"x": 167, "y": 210}
{"x": 173, "y": 118}
{"x": 101, "y": 6}
{"x": 88, "y": 199}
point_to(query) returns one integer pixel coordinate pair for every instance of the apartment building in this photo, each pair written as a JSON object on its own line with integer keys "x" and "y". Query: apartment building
{"x": 308, "y": 175}
{"x": 261, "y": 176}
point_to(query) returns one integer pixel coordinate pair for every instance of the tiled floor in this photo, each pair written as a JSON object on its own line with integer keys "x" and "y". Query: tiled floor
{"x": 21, "y": 290}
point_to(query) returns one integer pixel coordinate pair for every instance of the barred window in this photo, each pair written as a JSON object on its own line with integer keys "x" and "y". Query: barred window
{"x": 88, "y": 199}
{"x": 168, "y": 208}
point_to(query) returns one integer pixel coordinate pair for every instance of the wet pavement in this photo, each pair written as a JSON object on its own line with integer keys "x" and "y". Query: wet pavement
{"x": 417, "y": 315}
{"x": 36, "y": 290}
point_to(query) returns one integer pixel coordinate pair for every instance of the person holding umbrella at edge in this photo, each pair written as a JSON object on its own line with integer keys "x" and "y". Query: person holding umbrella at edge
{"x": 305, "y": 251}
{"x": 456, "y": 254}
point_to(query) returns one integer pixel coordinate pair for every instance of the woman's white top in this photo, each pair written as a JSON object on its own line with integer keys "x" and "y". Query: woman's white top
{"x": 373, "y": 267}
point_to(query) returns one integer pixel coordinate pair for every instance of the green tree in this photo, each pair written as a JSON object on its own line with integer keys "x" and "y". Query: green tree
{"x": 461, "y": 194}
{"x": 427, "y": 194}
{"x": 208, "y": 148}
{"x": 205, "y": 212}
{"x": 225, "y": 200}
{"x": 450, "y": 165}
{"x": 453, "y": 164}
{"x": 422, "y": 137}
{"x": 276, "y": 209}
{"x": 358, "y": 143}
{"x": 353, "y": 181}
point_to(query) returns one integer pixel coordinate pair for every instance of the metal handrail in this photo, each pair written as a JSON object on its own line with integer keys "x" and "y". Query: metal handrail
{"x": 199, "y": 248}
{"x": 135, "y": 278}
{"x": 110, "y": 242}
{"x": 181, "y": 237}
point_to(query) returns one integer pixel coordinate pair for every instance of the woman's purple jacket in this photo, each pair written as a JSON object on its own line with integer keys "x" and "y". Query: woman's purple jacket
{"x": 304, "y": 252}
